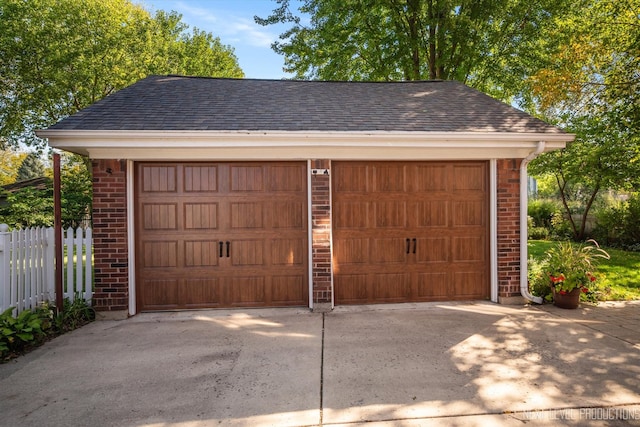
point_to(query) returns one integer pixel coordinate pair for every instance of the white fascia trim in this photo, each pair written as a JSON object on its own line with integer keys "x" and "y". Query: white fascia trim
{"x": 85, "y": 139}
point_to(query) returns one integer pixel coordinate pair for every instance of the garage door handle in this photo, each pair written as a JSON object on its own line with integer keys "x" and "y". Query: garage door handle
{"x": 415, "y": 243}
{"x": 408, "y": 244}
{"x": 228, "y": 246}
{"x": 221, "y": 245}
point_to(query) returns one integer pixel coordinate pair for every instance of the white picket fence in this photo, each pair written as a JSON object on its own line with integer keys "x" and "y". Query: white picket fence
{"x": 27, "y": 267}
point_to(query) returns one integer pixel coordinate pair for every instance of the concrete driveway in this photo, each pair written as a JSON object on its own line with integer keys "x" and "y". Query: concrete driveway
{"x": 393, "y": 365}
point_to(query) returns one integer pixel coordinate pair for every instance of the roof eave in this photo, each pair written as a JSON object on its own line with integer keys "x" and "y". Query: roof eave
{"x": 134, "y": 144}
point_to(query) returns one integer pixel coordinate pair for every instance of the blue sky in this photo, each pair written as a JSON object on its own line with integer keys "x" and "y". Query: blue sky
{"x": 232, "y": 21}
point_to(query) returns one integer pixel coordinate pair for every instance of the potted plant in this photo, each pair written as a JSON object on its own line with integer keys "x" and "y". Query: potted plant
{"x": 571, "y": 271}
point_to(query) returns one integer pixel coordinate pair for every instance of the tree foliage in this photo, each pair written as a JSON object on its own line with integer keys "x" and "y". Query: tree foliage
{"x": 33, "y": 207}
{"x": 10, "y": 162}
{"x": 59, "y": 56}
{"x": 31, "y": 167}
{"x": 591, "y": 84}
{"x": 490, "y": 44}
{"x": 76, "y": 191}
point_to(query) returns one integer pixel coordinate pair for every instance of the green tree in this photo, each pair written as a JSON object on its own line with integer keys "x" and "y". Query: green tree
{"x": 31, "y": 167}
{"x": 76, "y": 191}
{"x": 28, "y": 207}
{"x": 590, "y": 83}
{"x": 10, "y": 162}
{"x": 59, "y": 56}
{"x": 490, "y": 44}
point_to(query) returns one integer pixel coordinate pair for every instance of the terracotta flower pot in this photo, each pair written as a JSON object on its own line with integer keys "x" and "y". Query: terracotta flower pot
{"x": 570, "y": 300}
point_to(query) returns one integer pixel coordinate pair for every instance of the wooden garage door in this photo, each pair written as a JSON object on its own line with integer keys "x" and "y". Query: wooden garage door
{"x": 410, "y": 231}
{"x": 220, "y": 235}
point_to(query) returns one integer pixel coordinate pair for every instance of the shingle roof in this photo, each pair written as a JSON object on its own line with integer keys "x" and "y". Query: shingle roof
{"x": 215, "y": 104}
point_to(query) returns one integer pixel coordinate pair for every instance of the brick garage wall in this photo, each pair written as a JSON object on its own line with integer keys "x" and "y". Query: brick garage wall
{"x": 111, "y": 264}
{"x": 321, "y": 232}
{"x": 508, "y": 195}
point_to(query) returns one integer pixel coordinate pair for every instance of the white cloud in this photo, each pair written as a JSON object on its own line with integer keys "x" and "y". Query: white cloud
{"x": 233, "y": 26}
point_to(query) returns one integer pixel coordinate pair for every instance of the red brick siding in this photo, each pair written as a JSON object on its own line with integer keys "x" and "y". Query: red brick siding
{"x": 111, "y": 265}
{"x": 321, "y": 231}
{"x": 508, "y": 195}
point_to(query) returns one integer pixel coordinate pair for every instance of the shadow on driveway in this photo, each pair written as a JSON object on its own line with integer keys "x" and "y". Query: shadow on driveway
{"x": 410, "y": 364}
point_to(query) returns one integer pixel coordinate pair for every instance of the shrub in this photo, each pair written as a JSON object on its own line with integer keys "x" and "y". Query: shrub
{"x": 19, "y": 332}
{"x": 539, "y": 284}
{"x": 33, "y": 327}
{"x": 538, "y": 233}
{"x": 560, "y": 227}
{"x": 542, "y": 212}
{"x": 619, "y": 224}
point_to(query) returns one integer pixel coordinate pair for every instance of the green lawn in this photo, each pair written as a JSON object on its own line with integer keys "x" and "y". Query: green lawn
{"x": 622, "y": 271}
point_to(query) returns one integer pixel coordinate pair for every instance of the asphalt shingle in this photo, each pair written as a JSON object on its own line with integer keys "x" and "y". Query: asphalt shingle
{"x": 216, "y": 104}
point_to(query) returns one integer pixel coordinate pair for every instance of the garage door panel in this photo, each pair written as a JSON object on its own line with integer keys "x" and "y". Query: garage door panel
{"x": 390, "y": 287}
{"x": 201, "y": 216}
{"x": 160, "y": 178}
{"x": 351, "y": 251}
{"x": 160, "y": 254}
{"x": 389, "y": 250}
{"x": 202, "y": 292}
{"x": 247, "y": 215}
{"x": 286, "y": 178}
{"x": 390, "y": 214}
{"x": 288, "y": 215}
{"x": 198, "y": 179}
{"x": 160, "y": 294}
{"x": 352, "y": 178}
{"x": 468, "y": 249}
{"x": 351, "y": 215}
{"x": 389, "y": 178}
{"x": 247, "y": 178}
{"x": 201, "y": 253}
{"x": 351, "y": 288}
{"x": 221, "y": 234}
{"x": 468, "y": 213}
{"x": 160, "y": 216}
{"x": 247, "y": 291}
{"x": 430, "y": 286}
{"x": 247, "y": 252}
{"x": 431, "y": 178}
{"x": 432, "y": 213}
{"x": 287, "y": 290}
{"x": 430, "y": 250}
{"x": 465, "y": 284}
{"x": 469, "y": 178}
{"x": 287, "y": 252}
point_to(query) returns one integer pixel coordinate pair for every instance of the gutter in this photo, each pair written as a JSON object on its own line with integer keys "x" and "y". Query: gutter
{"x": 524, "y": 282}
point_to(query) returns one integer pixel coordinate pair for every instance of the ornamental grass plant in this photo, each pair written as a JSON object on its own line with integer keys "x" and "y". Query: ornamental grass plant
{"x": 567, "y": 267}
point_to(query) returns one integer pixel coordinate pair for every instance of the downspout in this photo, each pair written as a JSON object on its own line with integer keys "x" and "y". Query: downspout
{"x": 524, "y": 282}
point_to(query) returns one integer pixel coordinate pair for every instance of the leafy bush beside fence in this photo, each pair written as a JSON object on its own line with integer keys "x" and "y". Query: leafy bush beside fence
{"x": 32, "y": 328}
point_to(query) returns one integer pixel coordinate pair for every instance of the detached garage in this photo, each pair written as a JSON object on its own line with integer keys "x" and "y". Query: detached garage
{"x": 246, "y": 193}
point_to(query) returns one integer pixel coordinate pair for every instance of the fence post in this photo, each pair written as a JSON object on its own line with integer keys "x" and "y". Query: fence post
{"x": 68, "y": 243}
{"x": 50, "y": 263}
{"x": 5, "y": 254}
{"x": 88, "y": 279}
{"x": 77, "y": 291}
